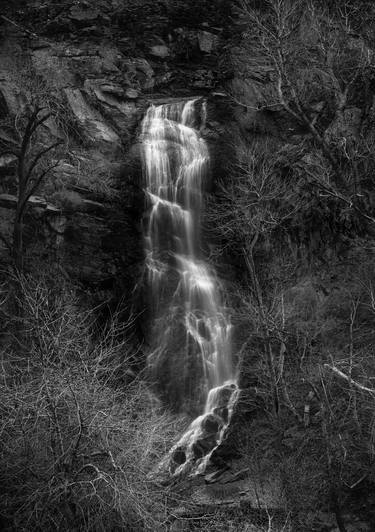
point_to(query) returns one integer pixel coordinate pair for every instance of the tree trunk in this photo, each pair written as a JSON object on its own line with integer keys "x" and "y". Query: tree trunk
{"x": 18, "y": 242}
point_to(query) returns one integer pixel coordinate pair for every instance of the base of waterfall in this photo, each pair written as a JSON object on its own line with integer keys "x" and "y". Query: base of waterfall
{"x": 245, "y": 492}
{"x": 192, "y": 454}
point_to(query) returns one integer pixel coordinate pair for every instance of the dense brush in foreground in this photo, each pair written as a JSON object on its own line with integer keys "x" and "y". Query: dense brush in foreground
{"x": 76, "y": 443}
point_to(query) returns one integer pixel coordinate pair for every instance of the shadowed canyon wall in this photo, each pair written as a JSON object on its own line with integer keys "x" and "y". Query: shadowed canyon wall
{"x": 97, "y": 68}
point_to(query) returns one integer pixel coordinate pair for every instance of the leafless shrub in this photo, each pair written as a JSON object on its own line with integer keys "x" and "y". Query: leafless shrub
{"x": 75, "y": 449}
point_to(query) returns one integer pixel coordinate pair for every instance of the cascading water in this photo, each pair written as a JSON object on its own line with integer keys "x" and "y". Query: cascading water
{"x": 191, "y": 345}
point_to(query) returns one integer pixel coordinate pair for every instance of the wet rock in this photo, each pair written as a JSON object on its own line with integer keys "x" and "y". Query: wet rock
{"x": 222, "y": 412}
{"x": 220, "y": 397}
{"x": 211, "y": 424}
{"x": 179, "y": 456}
{"x": 203, "y": 446}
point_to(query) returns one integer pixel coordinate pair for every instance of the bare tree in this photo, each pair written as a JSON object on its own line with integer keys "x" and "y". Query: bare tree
{"x": 315, "y": 64}
{"x": 33, "y": 167}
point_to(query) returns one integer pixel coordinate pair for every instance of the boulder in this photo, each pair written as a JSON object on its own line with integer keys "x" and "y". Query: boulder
{"x": 179, "y": 456}
{"x": 203, "y": 446}
{"x": 219, "y": 397}
{"x": 83, "y": 15}
{"x": 222, "y": 412}
{"x": 211, "y": 424}
{"x": 138, "y": 73}
{"x": 12, "y": 99}
{"x": 160, "y": 50}
{"x": 131, "y": 93}
{"x": 112, "y": 88}
{"x": 111, "y": 101}
{"x": 93, "y": 125}
{"x": 207, "y": 41}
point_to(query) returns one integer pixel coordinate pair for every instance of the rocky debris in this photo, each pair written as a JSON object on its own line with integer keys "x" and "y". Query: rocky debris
{"x": 255, "y": 492}
{"x": 226, "y": 476}
{"x": 259, "y": 488}
{"x": 179, "y": 456}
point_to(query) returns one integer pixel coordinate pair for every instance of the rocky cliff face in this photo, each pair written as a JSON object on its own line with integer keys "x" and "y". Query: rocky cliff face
{"x": 97, "y": 67}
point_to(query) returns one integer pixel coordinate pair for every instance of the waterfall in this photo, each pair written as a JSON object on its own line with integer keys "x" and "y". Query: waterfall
{"x": 190, "y": 358}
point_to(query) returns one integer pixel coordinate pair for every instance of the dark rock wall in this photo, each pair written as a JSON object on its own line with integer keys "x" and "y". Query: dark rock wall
{"x": 97, "y": 68}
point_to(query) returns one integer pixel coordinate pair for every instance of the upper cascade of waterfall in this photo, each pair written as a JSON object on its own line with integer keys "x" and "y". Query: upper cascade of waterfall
{"x": 191, "y": 357}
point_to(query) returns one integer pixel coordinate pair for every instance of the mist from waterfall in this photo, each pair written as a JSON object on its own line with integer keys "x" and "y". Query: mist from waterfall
{"x": 191, "y": 358}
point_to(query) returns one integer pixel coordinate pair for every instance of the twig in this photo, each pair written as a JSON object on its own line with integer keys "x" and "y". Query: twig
{"x": 349, "y": 380}
{"x": 22, "y": 28}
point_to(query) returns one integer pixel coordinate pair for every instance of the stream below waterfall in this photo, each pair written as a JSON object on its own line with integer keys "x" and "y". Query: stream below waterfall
{"x": 190, "y": 359}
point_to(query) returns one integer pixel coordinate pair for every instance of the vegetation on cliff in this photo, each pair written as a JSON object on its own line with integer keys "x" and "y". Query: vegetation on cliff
{"x": 290, "y": 221}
